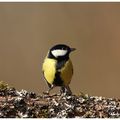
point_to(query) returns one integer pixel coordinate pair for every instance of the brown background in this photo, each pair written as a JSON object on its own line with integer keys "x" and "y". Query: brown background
{"x": 28, "y": 30}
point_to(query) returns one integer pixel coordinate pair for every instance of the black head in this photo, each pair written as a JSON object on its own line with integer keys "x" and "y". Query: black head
{"x": 60, "y": 52}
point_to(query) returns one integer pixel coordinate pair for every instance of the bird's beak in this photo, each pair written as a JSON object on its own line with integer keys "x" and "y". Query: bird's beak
{"x": 72, "y": 49}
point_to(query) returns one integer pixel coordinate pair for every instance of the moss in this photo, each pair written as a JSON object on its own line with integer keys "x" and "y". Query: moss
{"x": 43, "y": 114}
{"x": 3, "y": 85}
{"x": 83, "y": 95}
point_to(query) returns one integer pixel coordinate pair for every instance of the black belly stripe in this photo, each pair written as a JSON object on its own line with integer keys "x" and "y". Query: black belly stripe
{"x": 58, "y": 81}
{"x": 60, "y": 64}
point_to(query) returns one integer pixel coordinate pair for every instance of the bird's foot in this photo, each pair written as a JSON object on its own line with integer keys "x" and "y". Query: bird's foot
{"x": 65, "y": 91}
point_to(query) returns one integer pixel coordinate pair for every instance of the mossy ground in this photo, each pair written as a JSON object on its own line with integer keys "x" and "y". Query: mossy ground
{"x": 23, "y": 104}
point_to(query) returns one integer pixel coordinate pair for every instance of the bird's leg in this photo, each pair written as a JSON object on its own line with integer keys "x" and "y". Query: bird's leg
{"x": 65, "y": 90}
{"x": 48, "y": 91}
{"x": 68, "y": 90}
{"x": 62, "y": 90}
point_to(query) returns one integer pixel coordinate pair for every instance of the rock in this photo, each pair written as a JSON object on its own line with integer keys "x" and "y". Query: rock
{"x": 24, "y": 104}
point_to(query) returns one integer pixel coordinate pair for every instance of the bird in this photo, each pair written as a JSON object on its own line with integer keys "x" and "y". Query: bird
{"x": 57, "y": 68}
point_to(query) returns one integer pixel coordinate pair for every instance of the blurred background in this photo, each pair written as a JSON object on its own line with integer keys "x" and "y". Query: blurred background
{"x": 28, "y": 30}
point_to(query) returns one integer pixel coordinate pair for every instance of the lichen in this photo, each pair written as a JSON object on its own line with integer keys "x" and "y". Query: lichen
{"x": 24, "y": 104}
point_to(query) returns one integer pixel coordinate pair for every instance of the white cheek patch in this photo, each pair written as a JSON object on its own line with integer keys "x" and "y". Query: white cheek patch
{"x": 58, "y": 53}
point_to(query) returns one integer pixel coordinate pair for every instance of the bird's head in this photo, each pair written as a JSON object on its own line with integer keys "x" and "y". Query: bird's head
{"x": 60, "y": 51}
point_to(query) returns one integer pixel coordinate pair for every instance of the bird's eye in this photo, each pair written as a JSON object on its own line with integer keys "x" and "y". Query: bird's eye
{"x": 63, "y": 48}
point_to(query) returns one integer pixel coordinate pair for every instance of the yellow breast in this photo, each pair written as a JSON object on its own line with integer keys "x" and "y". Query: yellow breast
{"x": 67, "y": 72}
{"x": 49, "y": 69}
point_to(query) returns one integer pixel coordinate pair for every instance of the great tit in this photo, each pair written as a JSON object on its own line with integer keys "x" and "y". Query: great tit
{"x": 57, "y": 68}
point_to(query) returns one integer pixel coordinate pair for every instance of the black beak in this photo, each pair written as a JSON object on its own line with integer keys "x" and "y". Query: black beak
{"x": 72, "y": 49}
